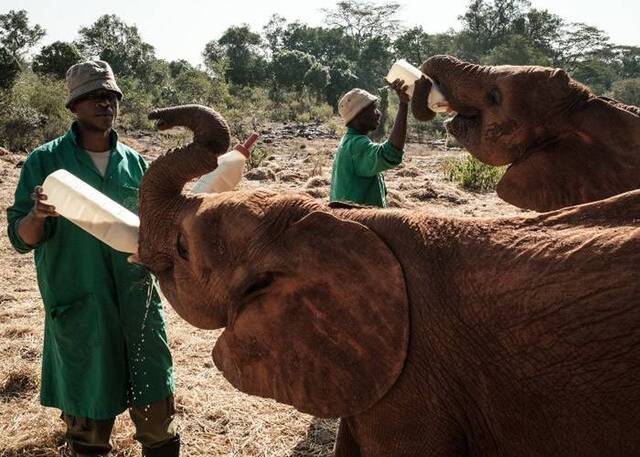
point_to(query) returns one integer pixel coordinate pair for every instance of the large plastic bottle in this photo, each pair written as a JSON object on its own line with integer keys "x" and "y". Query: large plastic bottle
{"x": 92, "y": 211}
{"x": 229, "y": 171}
{"x": 403, "y": 70}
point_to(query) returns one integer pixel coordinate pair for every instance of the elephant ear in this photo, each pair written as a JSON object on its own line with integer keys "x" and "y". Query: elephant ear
{"x": 568, "y": 172}
{"x": 331, "y": 338}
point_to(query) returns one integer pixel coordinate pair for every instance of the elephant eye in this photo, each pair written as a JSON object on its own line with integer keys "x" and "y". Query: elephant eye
{"x": 494, "y": 97}
{"x": 181, "y": 247}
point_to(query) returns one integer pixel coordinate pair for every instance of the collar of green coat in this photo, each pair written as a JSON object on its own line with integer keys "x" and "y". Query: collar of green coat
{"x": 72, "y": 134}
{"x": 352, "y": 131}
{"x": 116, "y": 153}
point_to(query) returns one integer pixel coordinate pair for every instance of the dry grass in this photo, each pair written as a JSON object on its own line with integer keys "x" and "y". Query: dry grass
{"x": 214, "y": 418}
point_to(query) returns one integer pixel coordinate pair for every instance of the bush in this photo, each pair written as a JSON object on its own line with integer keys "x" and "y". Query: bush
{"x": 472, "y": 174}
{"x": 33, "y": 112}
{"x": 295, "y": 107}
{"x": 627, "y": 91}
{"x": 9, "y": 69}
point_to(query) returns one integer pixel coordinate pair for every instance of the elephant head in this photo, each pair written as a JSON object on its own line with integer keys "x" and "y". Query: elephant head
{"x": 327, "y": 334}
{"x": 564, "y": 145}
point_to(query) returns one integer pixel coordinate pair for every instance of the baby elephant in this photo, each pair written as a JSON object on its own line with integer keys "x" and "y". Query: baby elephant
{"x": 427, "y": 336}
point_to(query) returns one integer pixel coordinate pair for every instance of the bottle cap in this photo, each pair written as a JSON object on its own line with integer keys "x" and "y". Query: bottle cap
{"x": 245, "y": 148}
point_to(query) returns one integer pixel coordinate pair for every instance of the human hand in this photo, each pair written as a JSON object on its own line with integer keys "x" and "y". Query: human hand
{"x": 401, "y": 89}
{"x": 40, "y": 209}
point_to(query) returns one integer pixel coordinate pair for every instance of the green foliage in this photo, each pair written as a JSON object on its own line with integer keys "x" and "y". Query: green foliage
{"x": 416, "y": 46}
{"x": 55, "y": 59}
{"x": 246, "y": 64}
{"x": 257, "y": 156}
{"x": 472, "y": 174}
{"x": 288, "y": 66}
{"x": 364, "y": 20}
{"x": 343, "y": 78}
{"x": 118, "y": 43}
{"x": 516, "y": 50}
{"x": 136, "y": 104}
{"x": 627, "y": 91}
{"x": 9, "y": 69}
{"x": 597, "y": 74}
{"x": 300, "y": 108}
{"x": 33, "y": 112}
{"x": 16, "y": 36}
{"x": 317, "y": 78}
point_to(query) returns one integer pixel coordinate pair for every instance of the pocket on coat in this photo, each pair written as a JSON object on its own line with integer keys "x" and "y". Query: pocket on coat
{"x": 75, "y": 322}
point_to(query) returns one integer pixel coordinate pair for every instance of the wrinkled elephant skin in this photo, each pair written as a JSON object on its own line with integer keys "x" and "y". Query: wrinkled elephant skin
{"x": 564, "y": 146}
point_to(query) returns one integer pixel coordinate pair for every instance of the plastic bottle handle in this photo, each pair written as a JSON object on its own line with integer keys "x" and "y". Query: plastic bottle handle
{"x": 245, "y": 148}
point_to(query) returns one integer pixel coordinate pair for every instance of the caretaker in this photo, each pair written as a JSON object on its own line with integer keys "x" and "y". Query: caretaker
{"x": 359, "y": 162}
{"x": 105, "y": 347}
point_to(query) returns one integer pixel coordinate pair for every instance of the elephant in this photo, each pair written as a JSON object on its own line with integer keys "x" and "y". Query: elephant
{"x": 564, "y": 145}
{"x": 427, "y": 335}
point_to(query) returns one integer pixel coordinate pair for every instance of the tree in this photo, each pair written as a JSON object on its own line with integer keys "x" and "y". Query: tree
{"x": 246, "y": 64}
{"x": 15, "y": 34}
{"x": 543, "y": 30}
{"x": 274, "y": 33}
{"x": 487, "y": 24}
{"x": 516, "y": 50}
{"x": 9, "y": 69}
{"x": 56, "y": 59}
{"x": 374, "y": 62}
{"x": 595, "y": 73}
{"x": 580, "y": 42}
{"x": 325, "y": 44}
{"x": 627, "y": 61}
{"x": 416, "y": 46}
{"x": 289, "y": 68}
{"x": 364, "y": 20}
{"x": 317, "y": 78}
{"x": 627, "y": 91}
{"x": 112, "y": 40}
{"x": 343, "y": 79}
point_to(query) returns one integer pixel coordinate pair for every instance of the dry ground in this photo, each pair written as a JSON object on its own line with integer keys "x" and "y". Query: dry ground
{"x": 214, "y": 418}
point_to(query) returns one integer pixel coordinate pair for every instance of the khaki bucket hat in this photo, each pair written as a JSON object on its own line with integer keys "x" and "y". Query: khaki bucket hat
{"x": 353, "y": 102}
{"x": 85, "y": 77}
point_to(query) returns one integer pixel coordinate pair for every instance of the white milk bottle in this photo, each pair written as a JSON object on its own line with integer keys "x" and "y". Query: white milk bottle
{"x": 229, "y": 171}
{"x": 403, "y": 70}
{"x": 92, "y": 211}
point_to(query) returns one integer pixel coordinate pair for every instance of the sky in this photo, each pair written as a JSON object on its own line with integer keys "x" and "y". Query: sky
{"x": 180, "y": 29}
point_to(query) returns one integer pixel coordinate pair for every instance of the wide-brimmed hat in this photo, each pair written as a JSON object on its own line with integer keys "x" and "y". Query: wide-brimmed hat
{"x": 353, "y": 102}
{"x": 85, "y": 77}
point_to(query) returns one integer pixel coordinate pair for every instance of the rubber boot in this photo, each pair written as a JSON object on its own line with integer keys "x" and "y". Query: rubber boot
{"x": 169, "y": 449}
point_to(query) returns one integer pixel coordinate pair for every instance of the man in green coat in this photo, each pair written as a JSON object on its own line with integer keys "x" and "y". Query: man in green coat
{"x": 105, "y": 347}
{"x": 359, "y": 162}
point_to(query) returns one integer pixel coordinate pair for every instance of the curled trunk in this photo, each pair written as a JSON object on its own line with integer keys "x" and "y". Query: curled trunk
{"x": 419, "y": 101}
{"x": 169, "y": 173}
{"x": 161, "y": 196}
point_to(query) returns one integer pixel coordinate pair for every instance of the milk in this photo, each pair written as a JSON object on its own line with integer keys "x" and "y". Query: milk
{"x": 229, "y": 171}
{"x": 92, "y": 211}
{"x": 403, "y": 70}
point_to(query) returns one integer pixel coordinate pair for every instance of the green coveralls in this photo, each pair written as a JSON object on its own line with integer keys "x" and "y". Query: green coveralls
{"x": 357, "y": 169}
{"x": 104, "y": 350}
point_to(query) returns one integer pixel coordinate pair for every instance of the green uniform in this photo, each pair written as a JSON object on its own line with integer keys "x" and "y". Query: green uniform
{"x": 104, "y": 350}
{"x": 357, "y": 169}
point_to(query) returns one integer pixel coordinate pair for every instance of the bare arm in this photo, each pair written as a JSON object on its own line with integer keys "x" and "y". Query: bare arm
{"x": 31, "y": 227}
{"x": 398, "y": 134}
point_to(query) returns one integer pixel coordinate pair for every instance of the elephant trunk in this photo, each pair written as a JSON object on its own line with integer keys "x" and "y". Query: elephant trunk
{"x": 419, "y": 101}
{"x": 169, "y": 173}
{"x": 463, "y": 84}
{"x": 161, "y": 188}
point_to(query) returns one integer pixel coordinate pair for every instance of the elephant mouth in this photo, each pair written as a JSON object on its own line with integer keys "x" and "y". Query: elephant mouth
{"x": 464, "y": 126}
